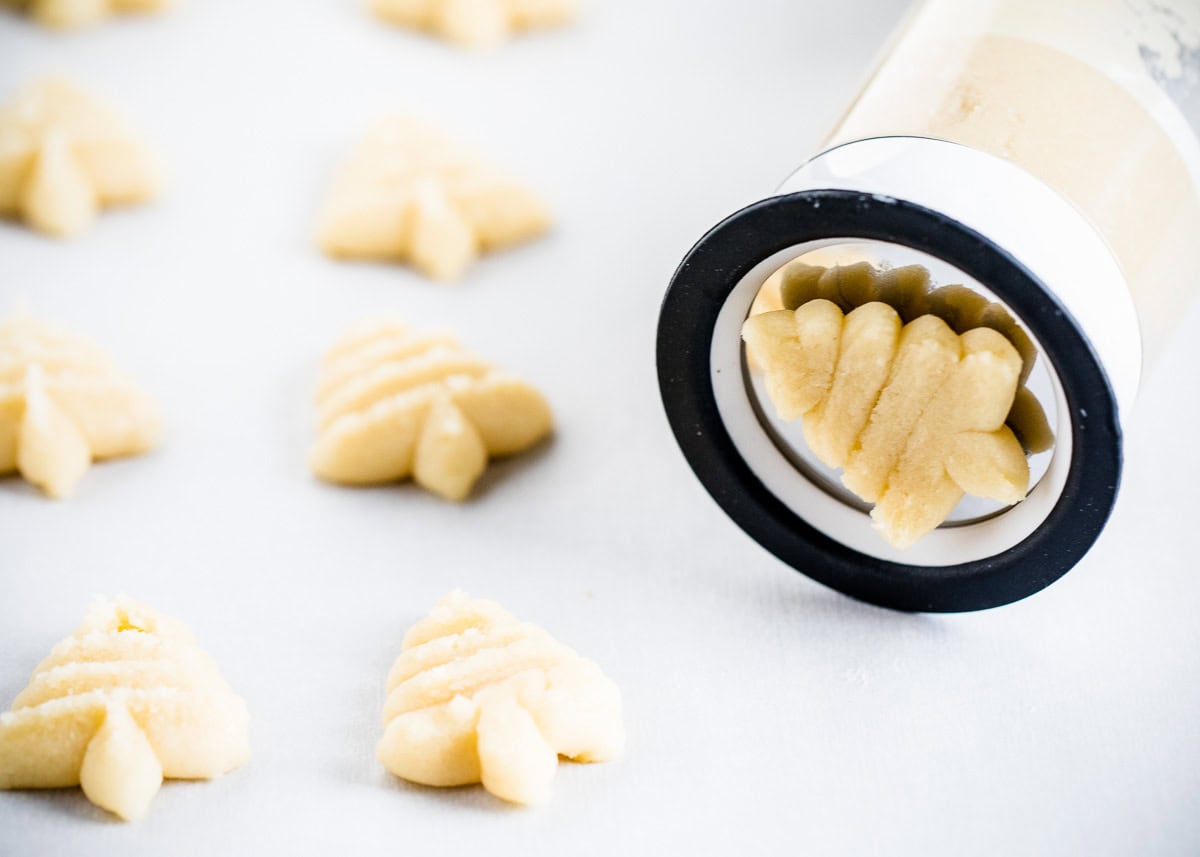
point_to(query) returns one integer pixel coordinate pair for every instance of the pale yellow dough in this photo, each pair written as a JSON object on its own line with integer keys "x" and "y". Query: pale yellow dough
{"x": 410, "y": 193}
{"x": 910, "y": 292}
{"x": 477, "y": 696}
{"x": 64, "y": 155}
{"x": 69, "y": 14}
{"x": 914, "y": 413}
{"x": 64, "y": 404}
{"x": 393, "y": 403}
{"x": 475, "y": 23}
{"x": 125, "y": 701}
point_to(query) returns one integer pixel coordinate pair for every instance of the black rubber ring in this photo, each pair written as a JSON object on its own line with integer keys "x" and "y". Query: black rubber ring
{"x": 697, "y": 293}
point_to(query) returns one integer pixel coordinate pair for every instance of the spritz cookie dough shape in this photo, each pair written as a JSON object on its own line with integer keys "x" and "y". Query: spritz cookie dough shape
{"x": 63, "y": 404}
{"x": 478, "y": 696}
{"x": 409, "y": 193}
{"x": 910, "y": 292}
{"x": 475, "y": 23}
{"x": 69, "y": 14}
{"x": 393, "y": 403}
{"x": 125, "y": 701}
{"x": 64, "y": 155}
{"x": 914, "y": 413}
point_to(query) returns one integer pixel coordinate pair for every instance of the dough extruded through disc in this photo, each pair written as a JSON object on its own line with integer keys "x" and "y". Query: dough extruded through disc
{"x": 910, "y": 292}
{"x": 914, "y": 413}
{"x": 124, "y": 702}
{"x": 477, "y": 696}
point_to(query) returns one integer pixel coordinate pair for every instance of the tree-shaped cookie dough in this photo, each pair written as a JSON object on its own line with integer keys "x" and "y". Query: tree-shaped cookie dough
{"x": 475, "y": 23}
{"x": 477, "y": 696}
{"x": 393, "y": 403}
{"x": 409, "y": 193}
{"x": 914, "y": 412}
{"x": 125, "y": 701}
{"x": 64, "y": 404}
{"x": 910, "y": 292}
{"x": 64, "y": 155}
{"x": 80, "y": 13}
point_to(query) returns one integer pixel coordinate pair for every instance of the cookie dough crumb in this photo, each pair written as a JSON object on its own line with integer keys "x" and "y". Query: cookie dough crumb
{"x": 394, "y": 403}
{"x": 64, "y": 404}
{"x": 125, "y": 701}
{"x": 475, "y": 23}
{"x": 409, "y": 193}
{"x": 914, "y": 413}
{"x": 72, "y": 14}
{"x": 64, "y": 156}
{"x": 477, "y": 696}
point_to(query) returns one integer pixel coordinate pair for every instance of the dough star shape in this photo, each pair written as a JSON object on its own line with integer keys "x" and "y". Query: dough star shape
{"x": 914, "y": 413}
{"x": 409, "y": 193}
{"x": 125, "y": 701}
{"x": 68, "y": 14}
{"x": 475, "y": 23}
{"x": 64, "y": 156}
{"x": 394, "y": 403}
{"x": 477, "y": 696}
{"x": 64, "y": 404}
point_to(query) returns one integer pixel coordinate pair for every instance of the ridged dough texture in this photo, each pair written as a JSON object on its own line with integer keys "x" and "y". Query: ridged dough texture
{"x": 475, "y": 23}
{"x": 394, "y": 403}
{"x": 913, "y": 412}
{"x": 409, "y": 193}
{"x": 64, "y": 155}
{"x": 125, "y": 701}
{"x": 478, "y": 696}
{"x": 64, "y": 404}
{"x": 910, "y": 292}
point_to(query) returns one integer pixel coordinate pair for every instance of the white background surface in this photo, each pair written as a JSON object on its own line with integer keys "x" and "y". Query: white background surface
{"x": 765, "y": 713}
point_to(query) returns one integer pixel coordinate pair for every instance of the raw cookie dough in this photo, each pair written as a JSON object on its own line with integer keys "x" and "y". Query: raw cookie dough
{"x": 63, "y": 404}
{"x": 65, "y": 155}
{"x": 410, "y": 193}
{"x": 477, "y": 696}
{"x": 909, "y": 291}
{"x": 80, "y": 13}
{"x": 125, "y": 701}
{"x": 475, "y": 23}
{"x": 914, "y": 413}
{"x": 394, "y": 403}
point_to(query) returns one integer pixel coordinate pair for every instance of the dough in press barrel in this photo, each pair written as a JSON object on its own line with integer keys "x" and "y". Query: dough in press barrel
{"x": 64, "y": 404}
{"x": 478, "y": 696}
{"x": 125, "y": 701}
{"x": 914, "y": 413}
{"x": 69, "y": 14}
{"x": 409, "y": 193}
{"x": 475, "y": 23}
{"x": 65, "y": 155}
{"x": 393, "y": 402}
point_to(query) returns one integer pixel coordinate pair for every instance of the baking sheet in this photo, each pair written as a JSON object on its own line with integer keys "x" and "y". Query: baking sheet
{"x": 765, "y": 713}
